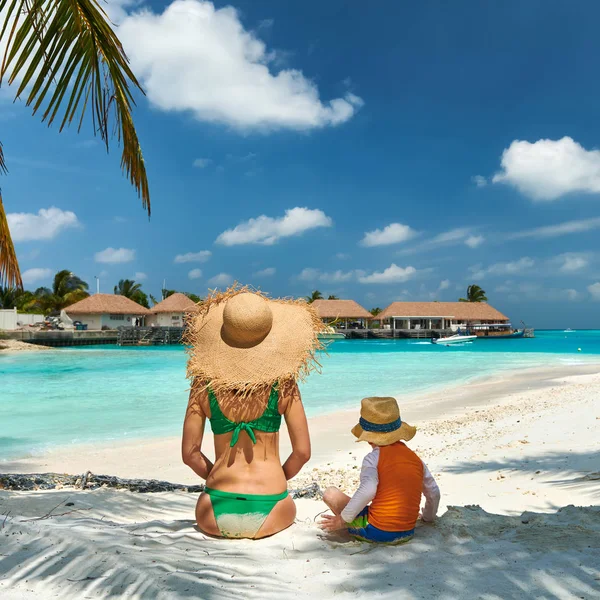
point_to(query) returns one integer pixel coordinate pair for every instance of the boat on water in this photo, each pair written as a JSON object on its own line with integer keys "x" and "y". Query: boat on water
{"x": 329, "y": 333}
{"x": 453, "y": 339}
{"x": 569, "y": 330}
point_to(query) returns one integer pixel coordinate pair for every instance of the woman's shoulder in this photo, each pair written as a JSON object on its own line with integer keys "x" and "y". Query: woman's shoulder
{"x": 288, "y": 393}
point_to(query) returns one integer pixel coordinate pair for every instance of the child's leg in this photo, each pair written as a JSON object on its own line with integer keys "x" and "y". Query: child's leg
{"x": 335, "y": 499}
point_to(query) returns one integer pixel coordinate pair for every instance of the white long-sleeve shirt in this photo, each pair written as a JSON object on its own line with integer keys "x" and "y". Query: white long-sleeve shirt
{"x": 369, "y": 479}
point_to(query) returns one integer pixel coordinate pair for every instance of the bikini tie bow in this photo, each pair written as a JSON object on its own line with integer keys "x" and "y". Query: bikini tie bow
{"x": 238, "y": 429}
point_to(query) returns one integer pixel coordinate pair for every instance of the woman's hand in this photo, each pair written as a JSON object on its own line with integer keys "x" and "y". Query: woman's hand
{"x": 332, "y": 523}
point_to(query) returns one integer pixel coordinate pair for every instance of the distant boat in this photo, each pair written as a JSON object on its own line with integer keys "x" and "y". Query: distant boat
{"x": 329, "y": 333}
{"x": 453, "y": 339}
{"x": 569, "y": 330}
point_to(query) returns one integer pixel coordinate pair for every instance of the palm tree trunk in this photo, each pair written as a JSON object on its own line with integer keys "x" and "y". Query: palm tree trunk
{"x": 10, "y": 275}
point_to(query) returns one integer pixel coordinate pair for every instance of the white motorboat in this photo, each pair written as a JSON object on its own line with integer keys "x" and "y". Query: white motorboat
{"x": 569, "y": 330}
{"x": 453, "y": 339}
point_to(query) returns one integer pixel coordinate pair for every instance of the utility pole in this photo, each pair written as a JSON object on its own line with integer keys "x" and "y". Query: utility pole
{"x": 97, "y": 284}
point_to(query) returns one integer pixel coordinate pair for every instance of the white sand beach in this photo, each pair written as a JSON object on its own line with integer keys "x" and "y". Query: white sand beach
{"x": 18, "y": 346}
{"x": 517, "y": 460}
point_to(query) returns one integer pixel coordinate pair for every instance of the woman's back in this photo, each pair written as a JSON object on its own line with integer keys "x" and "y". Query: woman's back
{"x": 246, "y": 456}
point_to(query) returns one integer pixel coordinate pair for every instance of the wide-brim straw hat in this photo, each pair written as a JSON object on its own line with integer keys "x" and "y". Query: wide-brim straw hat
{"x": 241, "y": 340}
{"x": 380, "y": 422}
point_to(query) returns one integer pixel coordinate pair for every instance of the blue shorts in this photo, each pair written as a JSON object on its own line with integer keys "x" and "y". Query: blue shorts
{"x": 362, "y": 530}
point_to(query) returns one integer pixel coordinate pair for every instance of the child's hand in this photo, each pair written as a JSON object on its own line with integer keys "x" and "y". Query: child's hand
{"x": 332, "y": 523}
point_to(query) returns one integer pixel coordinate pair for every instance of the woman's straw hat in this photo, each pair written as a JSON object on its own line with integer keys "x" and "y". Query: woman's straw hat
{"x": 380, "y": 422}
{"x": 243, "y": 341}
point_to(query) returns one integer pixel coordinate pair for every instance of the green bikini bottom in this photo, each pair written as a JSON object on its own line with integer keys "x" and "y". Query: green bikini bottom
{"x": 241, "y": 515}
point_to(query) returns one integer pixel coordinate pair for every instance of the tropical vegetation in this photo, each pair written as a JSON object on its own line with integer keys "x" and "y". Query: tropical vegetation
{"x": 65, "y": 60}
{"x": 375, "y": 311}
{"x": 67, "y": 288}
{"x": 474, "y": 294}
{"x": 316, "y": 295}
{"x": 132, "y": 290}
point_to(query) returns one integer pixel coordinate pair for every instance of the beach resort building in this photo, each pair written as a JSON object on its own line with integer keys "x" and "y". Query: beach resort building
{"x": 107, "y": 311}
{"x": 343, "y": 314}
{"x": 172, "y": 311}
{"x": 439, "y": 315}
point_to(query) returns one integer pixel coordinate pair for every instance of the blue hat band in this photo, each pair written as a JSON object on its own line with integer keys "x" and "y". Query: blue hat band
{"x": 380, "y": 427}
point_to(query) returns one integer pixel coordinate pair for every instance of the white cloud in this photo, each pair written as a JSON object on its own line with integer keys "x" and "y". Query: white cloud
{"x": 342, "y": 256}
{"x": 479, "y": 180}
{"x": 338, "y": 276}
{"x": 45, "y": 225}
{"x": 516, "y": 267}
{"x": 444, "y": 285}
{"x": 268, "y": 272}
{"x": 200, "y": 257}
{"x": 139, "y": 276}
{"x": 473, "y": 241}
{"x": 268, "y": 230}
{"x": 202, "y": 163}
{"x": 202, "y": 60}
{"x": 195, "y": 274}
{"x": 35, "y": 275}
{"x": 115, "y": 255}
{"x": 452, "y": 237}
{"x": 551, "y": 231}
{"x": 394, "y": 233}
{"x": 221, "y": 280}
{"x": 548, "y": 169}
{"x": 571, "y": 262}
{"x": 393, "y": 274}
{"x": 594, "y": 290}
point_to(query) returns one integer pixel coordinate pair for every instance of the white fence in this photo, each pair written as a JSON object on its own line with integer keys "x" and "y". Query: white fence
{"x": 10, "y": 319}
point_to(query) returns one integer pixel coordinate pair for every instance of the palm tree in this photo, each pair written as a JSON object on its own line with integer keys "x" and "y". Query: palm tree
{"x": 132, "y": 290}
{"x": 375, "y": 311}
{"x": 8, "y": 297}
{"x": 332, "y": 297}
{"x": 316, "y": 295}
{"x": 474, "y": 294}
{"x": 63, "y": 56}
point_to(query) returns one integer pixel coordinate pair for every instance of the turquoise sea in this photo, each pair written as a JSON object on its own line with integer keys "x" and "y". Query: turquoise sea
{"x": 102, "y": 393}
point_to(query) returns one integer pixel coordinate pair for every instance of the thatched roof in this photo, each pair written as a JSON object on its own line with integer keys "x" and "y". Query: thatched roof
{"x": 100, "y": 304}
{"x": 341, "y": 309}
{"x": 468, "y": 311}
{"x": 175, "y": 303}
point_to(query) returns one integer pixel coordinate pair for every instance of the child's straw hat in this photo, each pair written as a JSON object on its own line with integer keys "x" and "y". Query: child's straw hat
{"x": 380, "y": 423}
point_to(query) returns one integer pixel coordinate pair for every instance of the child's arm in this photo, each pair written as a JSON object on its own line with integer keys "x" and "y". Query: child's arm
{"x": 431, "y": 491}
{"x": 369, "y": 479}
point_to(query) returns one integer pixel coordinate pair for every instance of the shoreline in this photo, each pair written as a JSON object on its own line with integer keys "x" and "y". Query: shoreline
{"x": 159, "y": 457}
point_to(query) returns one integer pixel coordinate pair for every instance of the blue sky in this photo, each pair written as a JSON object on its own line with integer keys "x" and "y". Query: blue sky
{"x": 377, "y": 152}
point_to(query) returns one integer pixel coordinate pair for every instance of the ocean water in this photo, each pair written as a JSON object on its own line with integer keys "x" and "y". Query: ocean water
{"x": 102, "y": 393}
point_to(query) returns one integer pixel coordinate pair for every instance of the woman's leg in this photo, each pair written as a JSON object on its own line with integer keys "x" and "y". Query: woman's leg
{"x": 280, "y": 518}
{"x": 335, "y": 499}
{"x": 205, "y": 516}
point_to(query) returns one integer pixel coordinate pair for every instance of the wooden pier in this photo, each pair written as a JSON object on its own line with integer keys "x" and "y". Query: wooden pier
{"x": 149, "y": 336}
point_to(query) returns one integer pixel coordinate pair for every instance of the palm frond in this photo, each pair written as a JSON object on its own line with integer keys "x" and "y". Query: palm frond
{"x": 64, "y": 55}
{"x": 3, "y": 168}
{"x": 10, "y": 275}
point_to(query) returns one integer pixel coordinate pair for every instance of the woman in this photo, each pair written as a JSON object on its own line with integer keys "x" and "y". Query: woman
{"x": 246, "y": 355}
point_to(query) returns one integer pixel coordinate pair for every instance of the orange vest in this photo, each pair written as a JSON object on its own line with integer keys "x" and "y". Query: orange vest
{"x": 398, "y": 499}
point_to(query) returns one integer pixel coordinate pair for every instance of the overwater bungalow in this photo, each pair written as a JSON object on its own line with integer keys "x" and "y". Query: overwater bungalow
{"x": 439, "y": 315}
{"x": 343, "y": 314}
{"x": 172, "y": 311}
{"x": 107, "y": 311}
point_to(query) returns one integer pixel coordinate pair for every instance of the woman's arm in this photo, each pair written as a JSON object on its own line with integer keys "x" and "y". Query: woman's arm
{"x": 193, "y": 432}
{"x": 295, "y": 419}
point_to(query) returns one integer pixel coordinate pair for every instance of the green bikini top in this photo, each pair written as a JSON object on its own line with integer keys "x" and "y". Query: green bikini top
{"x": 269, "y": 421}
